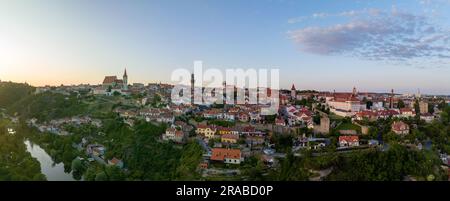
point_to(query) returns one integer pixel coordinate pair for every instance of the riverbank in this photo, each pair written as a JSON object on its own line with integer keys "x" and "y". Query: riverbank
{"x": 53, "y": 171}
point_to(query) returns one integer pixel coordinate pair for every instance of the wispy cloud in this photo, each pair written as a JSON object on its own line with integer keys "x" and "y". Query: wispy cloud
{"x": 377, "y": 35}
{"x": 323, "y": 15}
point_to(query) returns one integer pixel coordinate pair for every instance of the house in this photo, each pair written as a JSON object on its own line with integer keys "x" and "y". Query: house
{"x": 407, "y": 112}
{"x": 229, "y": 156}
{"x": 280, "y": 122}
{"x": 233, "y": 110}
{"x": 224, "y": 130}
{"x": 213, "y": 114}
{"x": 251, "y": 131}
{"x": 229, "y": 138}
{"x": 229, "y": 116}
{"x": 115, "y": 162}
{"x": 348, "y": 141}
{"x": 206, "y": 131}
{"x": 149, "y": 112}
{"x": 183, "y": 126}
{"x": 126, "y": 113}
{"x": 166, "y": 118}
{"x": 97, "y": 152}
{"x": 254, "y": 140}
{"x": 388, "y": 113}
{"x": 255, "y": 116}
{"x": 175, "y": 135}
{"x": 179, "y": 109}
{"x": 400, "y": 128}
{"x": 427, "y": 117}
{"x": 267, "y": 160}
{"x": 244, "y": 117}
{"x": 367, "y": 114}
{"x": 203, "y": 165}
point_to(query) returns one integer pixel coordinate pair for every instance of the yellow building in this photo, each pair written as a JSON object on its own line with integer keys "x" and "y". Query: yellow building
{"x": 206, "y": 131}
{"x": 423, "y": 107}
{"x": 229, "y": 138}
{"x": 224, "y": 131}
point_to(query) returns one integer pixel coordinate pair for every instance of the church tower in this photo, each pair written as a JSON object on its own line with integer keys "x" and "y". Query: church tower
{"x": 293, "y": 92}
{"x": 192, "y": 88}
{"x": 125, "y": 80}
{"x": 391, "y": 99}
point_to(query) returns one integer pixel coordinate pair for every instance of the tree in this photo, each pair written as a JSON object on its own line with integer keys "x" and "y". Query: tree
{"x": 114, "y": 173}
{"x": 431, "y": 108}
{"x": 417, "y": 108}
{"x": 401, "y": 104}
{"x": 292, "y": 169}
{"x": 116, "y": 93}
{"x": 78, "y": 166}
{"x": 90, "y": 174}
{"x": 101, "y": 177}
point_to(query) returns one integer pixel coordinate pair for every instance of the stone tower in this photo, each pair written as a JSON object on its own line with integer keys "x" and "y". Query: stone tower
{"x": 125, "y": 80}
{"x": 192, "y": 88}
{"x": 391, "y": 99}
{"x": 293, "y": 92}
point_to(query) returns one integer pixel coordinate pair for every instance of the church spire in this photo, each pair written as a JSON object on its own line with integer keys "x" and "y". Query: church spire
{"x": 125, "y": 80}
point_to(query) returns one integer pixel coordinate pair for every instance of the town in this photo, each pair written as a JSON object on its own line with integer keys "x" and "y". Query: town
{"x": 234, "y": 138}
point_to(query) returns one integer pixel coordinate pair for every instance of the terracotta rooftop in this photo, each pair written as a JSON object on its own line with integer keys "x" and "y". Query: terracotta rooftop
{"x": 349, "y": 138}
{"x": 219, "y": 154}
{"x": 109, "y": 79}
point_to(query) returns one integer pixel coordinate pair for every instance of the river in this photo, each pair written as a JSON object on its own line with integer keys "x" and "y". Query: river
{"x": 53, "y": 172}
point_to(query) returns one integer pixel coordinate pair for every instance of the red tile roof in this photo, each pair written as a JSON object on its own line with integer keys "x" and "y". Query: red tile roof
{"x": 109, "y": 79}
{"x": 403, "y": 110}
{"x": 219, "y": 154}
{"x": 179, "y": 133}
{"x": 400, "y": 126}
{"x": 114, "y": 161}
{"x": 202, "y": 126}
{"x": 349, "y": 138}
{"x": 279, "y": 121}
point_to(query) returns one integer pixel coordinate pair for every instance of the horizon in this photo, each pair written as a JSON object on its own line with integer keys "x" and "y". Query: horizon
{"x": 281, "y": 89}
{"x": 326, "y": 46}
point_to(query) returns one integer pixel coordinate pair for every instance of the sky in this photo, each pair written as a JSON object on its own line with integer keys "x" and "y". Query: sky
{"x": 373, "y": 45}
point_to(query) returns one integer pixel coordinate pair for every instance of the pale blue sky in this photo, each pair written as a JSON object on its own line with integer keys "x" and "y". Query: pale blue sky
{"x": 324, "y": 45}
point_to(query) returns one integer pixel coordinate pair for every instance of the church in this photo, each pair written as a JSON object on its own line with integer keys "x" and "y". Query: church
{"x": 112, "y": 84}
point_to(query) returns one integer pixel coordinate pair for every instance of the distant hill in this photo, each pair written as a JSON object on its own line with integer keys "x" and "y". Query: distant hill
{"x": 47, "y": 106}
{"x": 20, "y": 99}
{"x": 11, "y": 92}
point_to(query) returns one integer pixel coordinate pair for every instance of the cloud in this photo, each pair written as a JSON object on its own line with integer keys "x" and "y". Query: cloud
{"x": 296, "y": 20}
{"x": 377, "y": 35}
{"x": 323, "y": 15}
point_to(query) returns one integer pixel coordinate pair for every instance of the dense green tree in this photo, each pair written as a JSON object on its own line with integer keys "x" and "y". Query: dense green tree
{"x": 16, "y": 163}
{"x": 10, "y": 93}
{"x": 401, "y": 104}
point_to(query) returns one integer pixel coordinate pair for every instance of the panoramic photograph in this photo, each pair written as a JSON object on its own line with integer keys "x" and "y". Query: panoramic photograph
{"x": 225, "y": 91}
